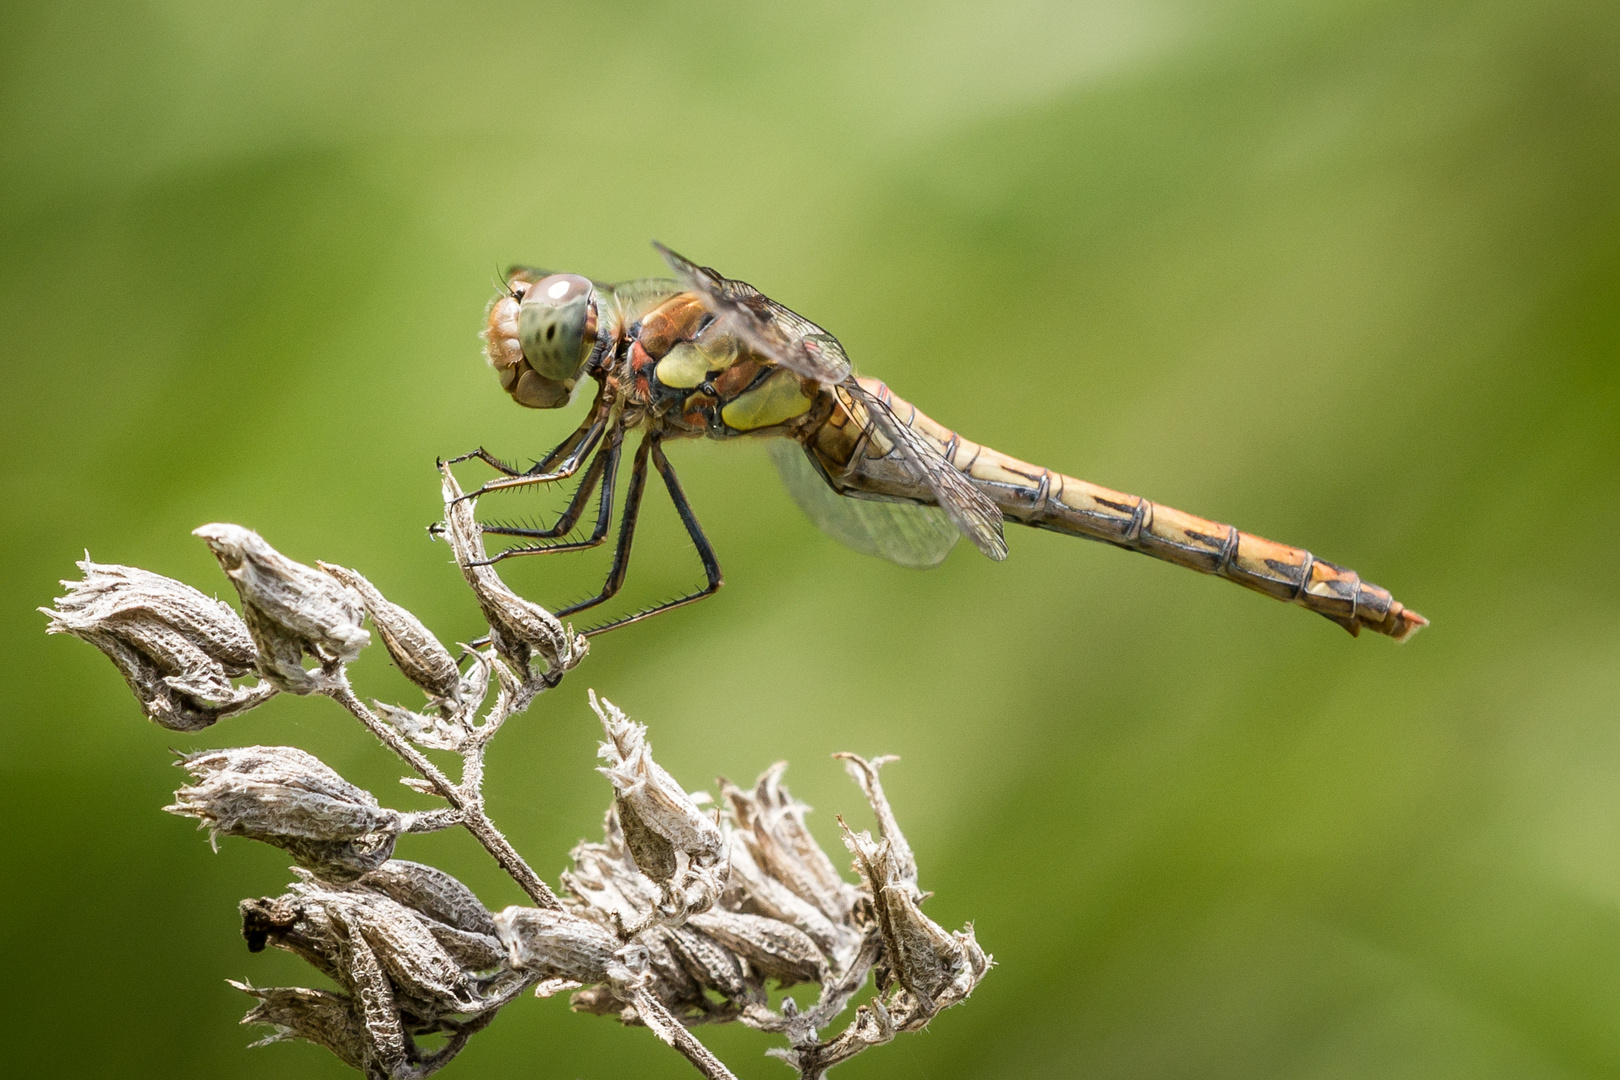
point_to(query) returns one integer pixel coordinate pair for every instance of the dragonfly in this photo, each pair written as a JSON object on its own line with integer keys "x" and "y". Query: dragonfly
{"x": 700, "y": 355}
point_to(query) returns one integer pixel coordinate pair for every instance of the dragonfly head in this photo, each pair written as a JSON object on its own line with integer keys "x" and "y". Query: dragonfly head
{"x": 539, "y": 334}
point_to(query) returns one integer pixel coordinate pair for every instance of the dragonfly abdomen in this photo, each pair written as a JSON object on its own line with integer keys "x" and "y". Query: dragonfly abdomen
{"x": 1280, "y": 571}
{"x": 1039, "y": 497}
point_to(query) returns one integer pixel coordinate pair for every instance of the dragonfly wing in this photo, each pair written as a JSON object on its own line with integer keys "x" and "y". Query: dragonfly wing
{"x": 766, "y": 327}
{"x": 969, "y": 509}
{"x": 904, "y": 533}
{"x": 796, "y": 343}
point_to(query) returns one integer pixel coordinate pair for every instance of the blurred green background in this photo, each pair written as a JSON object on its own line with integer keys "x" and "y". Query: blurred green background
{"x": 1345, "y": 274}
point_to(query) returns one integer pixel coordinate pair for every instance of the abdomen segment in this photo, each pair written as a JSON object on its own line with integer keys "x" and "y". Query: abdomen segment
{"x": 1039, "y": 497}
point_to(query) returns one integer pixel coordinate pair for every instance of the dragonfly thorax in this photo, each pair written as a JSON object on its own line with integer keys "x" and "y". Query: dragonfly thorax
{"x": 702, "y": 380}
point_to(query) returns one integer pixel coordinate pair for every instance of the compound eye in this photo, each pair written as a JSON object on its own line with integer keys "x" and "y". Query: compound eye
{"x": 552, "y": 321}
{"x": 559, "y": 289}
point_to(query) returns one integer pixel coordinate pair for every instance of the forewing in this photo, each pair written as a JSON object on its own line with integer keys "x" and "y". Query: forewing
{"x": 789, "y": 339}
{"x": 766, "y": 327}
{"x": 904, "y": 533}
{"x": 969, "y": 509}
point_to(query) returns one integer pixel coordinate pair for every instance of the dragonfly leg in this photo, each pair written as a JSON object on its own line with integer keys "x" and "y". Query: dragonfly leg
{"x": 627, "y": 533}
{"x": 603, "y": 471}
{"x": 547, "y": 470}
{"x": 570, "y": 452}
{"x": 542, "y": 465}
{"x": 711, "y": 565}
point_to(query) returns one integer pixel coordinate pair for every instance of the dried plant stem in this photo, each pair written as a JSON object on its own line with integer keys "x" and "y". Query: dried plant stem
{"x": 671, "y": 1030}
{"x": 471, "y": 809}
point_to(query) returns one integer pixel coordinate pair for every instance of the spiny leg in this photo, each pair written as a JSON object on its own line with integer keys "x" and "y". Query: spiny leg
{"x": 581, "y": 447}
{"x": 576, "y": 447}
{"x": 539, "y": 474}
{"x": 540, "y": 466}
{"x": 711, "y": 565}
{"x": 604, "y": 470}
{"x": 627, "y": 533}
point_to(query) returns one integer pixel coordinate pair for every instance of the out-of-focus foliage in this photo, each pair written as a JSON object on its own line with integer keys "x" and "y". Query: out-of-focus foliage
{"x": 1345, "y": 274}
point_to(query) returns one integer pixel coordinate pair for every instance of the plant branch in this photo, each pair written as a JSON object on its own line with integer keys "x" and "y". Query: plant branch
{"x": 664, "y": 1024}
{"x": 472, "y": 813}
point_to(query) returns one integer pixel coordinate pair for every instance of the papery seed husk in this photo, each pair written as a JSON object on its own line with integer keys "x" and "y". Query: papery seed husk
{"x": 771, "y": 824}
{"x": 283, "y": 796}
{"x": 161, "y": 701}
{"x": 290, "y": 609}
{"x": 920, "y": 953}
{"x": 768, "y": 896}
{"x": 432, "y": 892}
{"x": 418, "y": 654}
{"x": 128, "y": 593}
{"x": 176, "y": 648}
{"x": 316, "y": 1016}
{"x": 654, "y": 855}
{"x": 518, "y": 628}
{"x": 659, "y": 801}
{"x": 706, "y": 960}
{"x": 280, "y": 790}
{"x": 770, "y": 946}
{"x": 865, "y": 774}
{"x": 413, "y": 958}
{"x": 556, "y": 944}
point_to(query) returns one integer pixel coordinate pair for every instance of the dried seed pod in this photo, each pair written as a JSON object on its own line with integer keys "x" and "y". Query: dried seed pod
{"x": 418, "y": 654}
{"x": 556, "y": 944}
{"x": 519, "y": 629}
{"x": 446, "y": 907}
{"x": 660, "y": 803}
{"x": 940, "y": 968}
{"x": 283, "y": 796}
{"x": 317, "y": 1016}
{"x": 177, "y": 649}
{"x": 706, "y": 960}
{"x": 652, "y": 852}
{"x": 770, "y": 823}
{"x": 432, "y": 892}
{"x": 416, "y": 963}
{"x": 771, "y": 947}
{"x": 865, "y": 773}
{"x": 292, "y": 610}
{"x": 766, "y": 895}
{"x": 605, "y": 880}
{"x": 283, "y": 922}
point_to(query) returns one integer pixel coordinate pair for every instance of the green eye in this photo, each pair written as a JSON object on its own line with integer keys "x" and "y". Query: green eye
{"x": 552, "y": 323}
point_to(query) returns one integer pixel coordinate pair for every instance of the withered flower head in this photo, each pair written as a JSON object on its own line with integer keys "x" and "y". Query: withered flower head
{"x": 937, "y": 967}
{"x": 640, "y": 783}
{"x": 177, "y": 649}
{"x": 415, "y": 650}
{"x": 283, "y": 796}
{"x": 292, "y": 610}
{"x": 672, "y": 842}
{"x": 399, "y": 980}
{"x": 519, "y": 629}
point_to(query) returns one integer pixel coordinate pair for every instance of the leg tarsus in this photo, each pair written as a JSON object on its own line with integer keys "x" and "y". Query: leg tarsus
{"x": 603, "y": 471}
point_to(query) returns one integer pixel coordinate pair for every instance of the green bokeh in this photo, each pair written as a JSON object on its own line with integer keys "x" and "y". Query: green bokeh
{"x": 1346, "y": 274}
